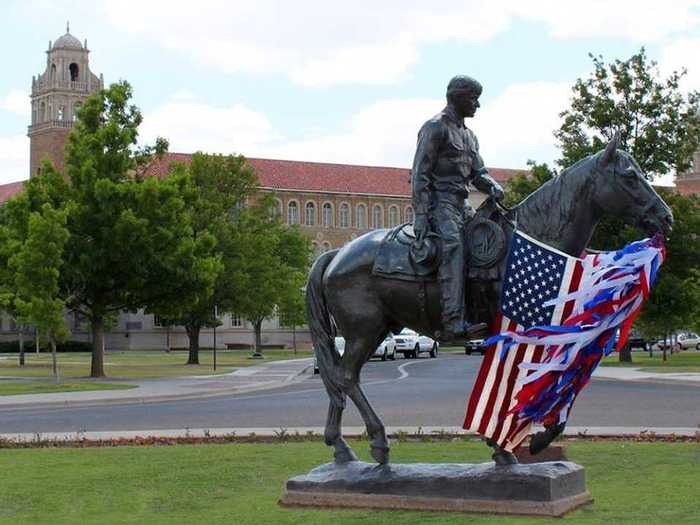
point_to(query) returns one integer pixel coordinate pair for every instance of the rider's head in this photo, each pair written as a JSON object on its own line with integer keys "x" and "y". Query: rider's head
{"x": 463, "y": 94}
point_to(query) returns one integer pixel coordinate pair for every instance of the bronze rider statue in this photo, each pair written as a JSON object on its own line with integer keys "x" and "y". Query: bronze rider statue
{"x": 447, "y": 160}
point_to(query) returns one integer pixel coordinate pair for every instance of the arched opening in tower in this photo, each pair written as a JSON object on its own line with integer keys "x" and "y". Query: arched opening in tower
{"x": 73, "y": 68}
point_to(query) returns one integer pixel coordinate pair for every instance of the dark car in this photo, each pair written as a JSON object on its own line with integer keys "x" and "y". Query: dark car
{"x": 475, "y": 346}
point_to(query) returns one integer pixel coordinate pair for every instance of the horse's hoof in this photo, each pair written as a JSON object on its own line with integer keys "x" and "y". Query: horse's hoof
{"x": 541, "y": 440}
{"x": 504, "y": 458}
{"x": 380, "y": 454}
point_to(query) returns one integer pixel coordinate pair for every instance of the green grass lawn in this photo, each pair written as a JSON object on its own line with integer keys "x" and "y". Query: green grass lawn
{"x": 650, "y": 483}
{"x": 686, "y": 361}
{"x": 42, "y": 387}
{"x": 139, "y": 364}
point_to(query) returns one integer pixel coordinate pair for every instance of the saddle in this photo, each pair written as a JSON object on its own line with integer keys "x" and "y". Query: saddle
{"x": 398, "y": 256}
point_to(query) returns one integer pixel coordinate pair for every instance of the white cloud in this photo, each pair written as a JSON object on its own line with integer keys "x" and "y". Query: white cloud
{"x": 679, "y": 54}
{"x": 514, "y": 127}
{"x": 321, "y": 43}
{"x": 518, "y": 124}
{"x": 14, "y": 158}
{"x": 191, "y": 125}
{"x": 16, "y": 101}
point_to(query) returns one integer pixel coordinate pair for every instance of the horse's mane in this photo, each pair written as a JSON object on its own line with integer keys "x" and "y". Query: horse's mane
{"x": 556, "y": 198}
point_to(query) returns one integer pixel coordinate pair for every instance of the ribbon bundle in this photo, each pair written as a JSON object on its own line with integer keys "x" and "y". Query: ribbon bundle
{"x": 613, "y": 289}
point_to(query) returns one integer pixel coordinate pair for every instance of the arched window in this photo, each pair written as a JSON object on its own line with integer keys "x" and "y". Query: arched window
{"x": 326, "y": 246}
{"x": 393, "y": 216}
{"x": 59, "y": 115}
{"x": 42, "y": 112}
{"x": 73, "y": 68}
{"x": 377, "y": 216}
{"x": 276, "y": 211}
{"x": 310, "y": 217}
{"x": 345, "y": 215}
{"x": 409, "y": 214}
{"x": 327, "y": 215}
{"x": 76, "y": 108}
{"x": 292, "y": 213}
{"x": 53, "y": 72}
{"x": 362, "y": 217}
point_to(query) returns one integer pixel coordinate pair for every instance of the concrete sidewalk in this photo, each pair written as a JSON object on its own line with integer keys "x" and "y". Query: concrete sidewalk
{"x": 249, "y": 379}
{"x": 637, "y": 374}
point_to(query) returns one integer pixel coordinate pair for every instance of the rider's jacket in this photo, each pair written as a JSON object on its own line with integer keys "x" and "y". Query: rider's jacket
{"x": 447, "y": 159}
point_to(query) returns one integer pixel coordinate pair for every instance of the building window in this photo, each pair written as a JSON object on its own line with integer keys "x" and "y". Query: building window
{"x": 76, "y": 108}
{"x": 377, "y": 216}
{"x": 310, "y": 217}
{"x": 236, "y": 321}
{"x": 344, "y": 215}
{"x": 78, "y": 320}
{"x": 134, "y": 325}
{"x": 60, "y": 113}
{"x": 327, "y": 215}
{"x": 409, "y": 214}
{"x": 393, "y": 216}
{"x": 73, "y": 68}
{"x": 276, "y": 211}
{"x": 159, "y": 322}
{"x": 42, "y": 112}
{"x": 292, "y": 213}
{"x": 362, "y": 217}
{"x": 13, "y": 324}
{"x": 53, "y": 71}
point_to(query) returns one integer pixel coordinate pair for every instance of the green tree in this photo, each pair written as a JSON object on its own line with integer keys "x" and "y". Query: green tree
{"x": 657, "y": 123}
{"x": 127, "y": 235}
{"x": 523, "y": 184}
{"x": 37, "y": 268}
{"x": 215, "y": 189}
{"x": 275, "y": 265}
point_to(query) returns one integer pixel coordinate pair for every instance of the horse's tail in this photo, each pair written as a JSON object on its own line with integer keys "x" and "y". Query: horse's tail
{"x": 323, "y": 330}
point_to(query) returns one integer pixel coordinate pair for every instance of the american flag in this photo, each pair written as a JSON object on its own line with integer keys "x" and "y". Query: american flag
{"x": 535, "y": 274}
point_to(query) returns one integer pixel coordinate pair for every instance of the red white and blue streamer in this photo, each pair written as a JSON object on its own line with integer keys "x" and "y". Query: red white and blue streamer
{"x": 536, "y": 371}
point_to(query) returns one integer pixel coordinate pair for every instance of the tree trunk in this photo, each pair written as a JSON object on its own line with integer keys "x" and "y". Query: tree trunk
{"x": 258, "y": 337}
{"x": 21, "y": 347}
{"x": 294, "y": 339}
{"x": 193, "y": 336}
{"x": 663, "y": 345}
{"x": 54, "y": 361}
{"x": 97, "y": 368}
{"x": 626, "y": 353}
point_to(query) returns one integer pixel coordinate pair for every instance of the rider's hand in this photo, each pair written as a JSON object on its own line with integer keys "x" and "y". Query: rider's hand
{"x": 497, "y": 192}
{"x": 420, "y": 225}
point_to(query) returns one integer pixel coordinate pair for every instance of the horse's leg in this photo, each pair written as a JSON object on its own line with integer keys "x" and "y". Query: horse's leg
{"x": 333, "y": 435}
{"x": 500, "y": 455}
{"x": 360, "y": 350}
{"x": 378, "y": 442}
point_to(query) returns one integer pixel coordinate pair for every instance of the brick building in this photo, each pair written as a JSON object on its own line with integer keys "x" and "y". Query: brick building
{"x": 689, "y": 183}
{"x": 331, "y": 203}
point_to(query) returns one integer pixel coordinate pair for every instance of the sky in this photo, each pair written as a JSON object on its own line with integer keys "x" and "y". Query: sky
{"x": 348, "y": 82}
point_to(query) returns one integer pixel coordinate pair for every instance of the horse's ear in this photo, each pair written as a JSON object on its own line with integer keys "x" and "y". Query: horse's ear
{"x": 608, "y": 155}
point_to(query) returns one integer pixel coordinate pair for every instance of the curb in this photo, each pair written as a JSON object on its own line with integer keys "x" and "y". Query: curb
{"x": 349, "y": 432}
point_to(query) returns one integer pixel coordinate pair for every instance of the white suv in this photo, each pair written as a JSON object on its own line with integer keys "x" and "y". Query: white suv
{"x": 411, "y": 344}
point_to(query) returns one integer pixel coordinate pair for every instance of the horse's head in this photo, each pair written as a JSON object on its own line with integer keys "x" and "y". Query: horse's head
{"x": 622, "y": 190}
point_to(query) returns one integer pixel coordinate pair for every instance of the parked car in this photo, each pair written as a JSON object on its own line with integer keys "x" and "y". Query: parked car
{"x": 411, "y": 344}
{"x": 475, "y": 346}
{"x": 339, "y": 345}
{"x": 637, "y": 340}
{"x": 386, "y": 349}
{"x": 683, "y": 341}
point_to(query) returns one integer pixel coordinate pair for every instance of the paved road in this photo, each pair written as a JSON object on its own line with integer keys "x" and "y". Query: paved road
{"x": 428, "y": 392}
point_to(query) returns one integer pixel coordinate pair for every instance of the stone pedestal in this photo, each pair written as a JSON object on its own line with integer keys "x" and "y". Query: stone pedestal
{"x": 543, "y": 489}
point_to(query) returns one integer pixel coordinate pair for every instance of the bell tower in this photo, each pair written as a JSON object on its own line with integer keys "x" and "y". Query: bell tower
{"x": 57, "y": 94}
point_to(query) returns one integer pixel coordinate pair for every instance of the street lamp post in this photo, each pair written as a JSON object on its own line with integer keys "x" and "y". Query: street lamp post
{"x": 216, "y": 320}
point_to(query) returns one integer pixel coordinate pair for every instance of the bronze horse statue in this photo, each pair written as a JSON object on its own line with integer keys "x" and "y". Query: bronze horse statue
{"x": 343, "y": 295}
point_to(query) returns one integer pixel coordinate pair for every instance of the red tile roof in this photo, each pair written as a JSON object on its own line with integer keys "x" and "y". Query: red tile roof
{"x": 324, "y": 177}
{"x": 7, "y": 191}
{"x": 306, "y": 176}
